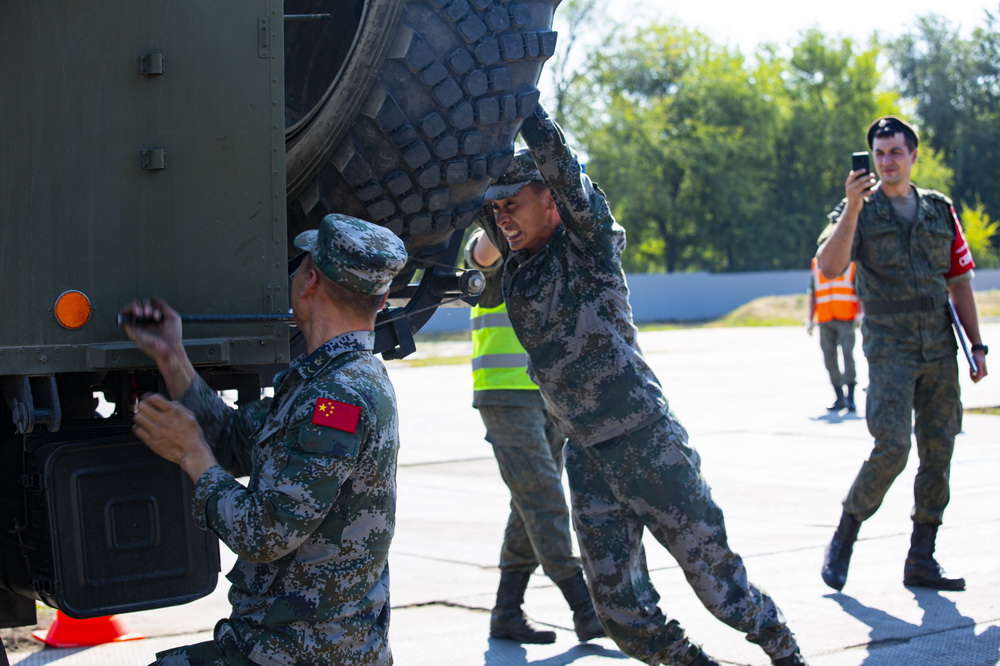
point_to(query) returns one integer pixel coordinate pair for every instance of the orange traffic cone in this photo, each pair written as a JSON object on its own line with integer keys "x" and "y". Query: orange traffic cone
{"x": 67, "y": 632}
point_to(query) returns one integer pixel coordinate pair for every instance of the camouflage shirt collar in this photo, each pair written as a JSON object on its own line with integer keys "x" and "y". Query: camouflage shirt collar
{"x": 521, "y": 257}
{"x": 308, "y": 365}
{"x": 885, "y": 209}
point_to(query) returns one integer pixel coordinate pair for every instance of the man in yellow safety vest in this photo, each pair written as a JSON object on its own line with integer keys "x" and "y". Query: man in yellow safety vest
{"x": 834, "y": 304}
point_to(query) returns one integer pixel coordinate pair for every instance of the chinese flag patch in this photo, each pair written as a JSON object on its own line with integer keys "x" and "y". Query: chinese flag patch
{"x": 335, "y": 414}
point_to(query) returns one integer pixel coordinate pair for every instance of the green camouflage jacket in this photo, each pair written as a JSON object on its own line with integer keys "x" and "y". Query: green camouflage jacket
{"x": 902, "y": 261}
{"x": 570, "y": 309}
{"x": 313, "y": 526}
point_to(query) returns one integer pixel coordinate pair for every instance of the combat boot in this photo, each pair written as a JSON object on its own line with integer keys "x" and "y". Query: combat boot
{"x": 704, "y": 660}
{"x": 921, "y": 569}
{"x": 507, "y": 619}
{"x": 849, "y": 399}
{"x": 791, "y": 660}
{"x": 838, "y": 553}
{"x": 840, "y": 403}
{"x": 585, "y": 622}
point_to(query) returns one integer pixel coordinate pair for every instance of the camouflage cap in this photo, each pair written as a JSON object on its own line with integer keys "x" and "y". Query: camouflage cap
{"x": 889, "y": 125}
{"x": 356, "y": 254}
{"x": 522, "y": 170}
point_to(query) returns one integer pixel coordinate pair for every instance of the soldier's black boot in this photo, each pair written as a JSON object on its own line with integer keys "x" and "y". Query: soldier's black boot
{"x": 585, "y": 622}
{"x": 704, "y": 660}
{"x": 507, "y": 619}
{"x": 840, "y": 403}
{"x": 791, "y": 660}
{"x": 921, "y": 569}
{"x": 849, "y": 399}
{"x": 838, "y": 553}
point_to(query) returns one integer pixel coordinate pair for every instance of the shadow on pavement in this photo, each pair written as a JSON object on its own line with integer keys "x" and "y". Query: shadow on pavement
{"x": 508, "y": 653}
{"x": 941, "y": 616}
{"x": 838, "y": 417}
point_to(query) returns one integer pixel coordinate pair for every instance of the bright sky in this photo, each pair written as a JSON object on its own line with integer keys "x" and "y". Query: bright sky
{"x": 746, "y": 23}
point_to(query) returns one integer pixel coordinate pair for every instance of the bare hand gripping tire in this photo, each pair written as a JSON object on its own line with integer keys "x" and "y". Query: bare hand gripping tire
{"x": 400, "y": 112}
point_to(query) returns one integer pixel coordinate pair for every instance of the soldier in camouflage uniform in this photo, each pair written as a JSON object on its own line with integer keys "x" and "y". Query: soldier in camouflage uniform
{"x": 313, "y": 526}
{"x": 911, "y": 257}
{"x": 528, "y": 446}
{"x": 628, "y": 460}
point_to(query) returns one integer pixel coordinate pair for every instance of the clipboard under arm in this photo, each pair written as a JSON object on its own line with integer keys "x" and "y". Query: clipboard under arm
{"x": 961, "y": 337}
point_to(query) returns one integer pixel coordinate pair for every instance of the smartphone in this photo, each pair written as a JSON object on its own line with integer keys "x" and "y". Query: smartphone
{"x": 859, "y": 161}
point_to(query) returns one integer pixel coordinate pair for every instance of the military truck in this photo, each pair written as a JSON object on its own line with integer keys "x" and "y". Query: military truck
{"x": 174, "y": 148}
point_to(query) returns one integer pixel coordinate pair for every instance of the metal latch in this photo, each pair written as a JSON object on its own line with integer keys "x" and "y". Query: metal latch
{"x": 151, "y": 64}
{"x": 153, "y": 159}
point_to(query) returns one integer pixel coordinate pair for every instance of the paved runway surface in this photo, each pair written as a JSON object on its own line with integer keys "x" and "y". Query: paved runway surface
{"x": 779, "y": 464}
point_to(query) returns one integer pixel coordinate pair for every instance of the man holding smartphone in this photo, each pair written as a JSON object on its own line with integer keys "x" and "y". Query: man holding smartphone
{"x": 911, "y": 257}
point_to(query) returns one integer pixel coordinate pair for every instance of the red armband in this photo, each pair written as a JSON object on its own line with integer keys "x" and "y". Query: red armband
{"x": 961, "y": 256}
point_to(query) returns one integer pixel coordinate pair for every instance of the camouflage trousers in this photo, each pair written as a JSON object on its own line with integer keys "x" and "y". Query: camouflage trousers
{"x": 651, "y": 479}
{"x": 222, "y": 651}
{"x": 838, "y": 335}
{"x": 529, "y": 451}
{"x": 922, "y": 396}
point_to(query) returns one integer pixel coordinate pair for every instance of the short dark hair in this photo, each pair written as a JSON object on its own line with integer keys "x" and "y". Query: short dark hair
{"x": 366, "y": 305}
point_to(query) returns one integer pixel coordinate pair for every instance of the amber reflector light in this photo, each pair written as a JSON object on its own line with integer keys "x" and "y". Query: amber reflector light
{"x": 73, "y": 309}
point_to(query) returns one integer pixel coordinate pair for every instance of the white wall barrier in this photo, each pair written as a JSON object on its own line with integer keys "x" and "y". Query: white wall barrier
{"x": 687, "y": 297}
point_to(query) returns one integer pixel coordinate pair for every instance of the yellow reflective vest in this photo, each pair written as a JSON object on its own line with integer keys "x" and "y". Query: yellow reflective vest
{"x": 836, "y": 298}
{"x": 498, "y": 359}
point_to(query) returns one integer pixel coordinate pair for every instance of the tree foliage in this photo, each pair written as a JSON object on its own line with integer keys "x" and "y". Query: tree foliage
{"x": 981, "y": 234}
{"x": 955, "y": 84}
{"x": 713, "y": 161}
{"x": 670, "y": 134}
{"x": 574, "y": 17}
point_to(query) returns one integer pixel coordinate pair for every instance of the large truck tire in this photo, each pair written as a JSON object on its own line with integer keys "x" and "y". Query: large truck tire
{"x": 400, "y": 112}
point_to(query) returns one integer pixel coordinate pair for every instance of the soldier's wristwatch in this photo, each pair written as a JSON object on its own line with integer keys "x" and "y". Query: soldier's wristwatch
{"x": 982, "y": 348}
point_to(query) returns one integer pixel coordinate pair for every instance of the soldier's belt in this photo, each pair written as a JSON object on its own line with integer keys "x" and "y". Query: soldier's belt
{"x": 922, "y": 304}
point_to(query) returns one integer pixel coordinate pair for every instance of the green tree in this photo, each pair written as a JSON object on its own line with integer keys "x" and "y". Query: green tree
{"x": 955, "y": 86}
{"x": 981, "y": 233}
{"x": 573, "y": 20}
{"x": 678, "y": 138}
{"x": 828, "y": 91}
{"x": 718, "y": 164}
{"x": 931, "y": 172}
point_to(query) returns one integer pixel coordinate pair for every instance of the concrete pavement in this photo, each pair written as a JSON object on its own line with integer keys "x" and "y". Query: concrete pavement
{"x": 779, "y": 464}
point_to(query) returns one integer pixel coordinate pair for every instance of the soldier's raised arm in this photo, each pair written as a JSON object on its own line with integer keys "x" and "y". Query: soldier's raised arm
{"x": 835, "y": 252}
{"x": 582, "y": 205}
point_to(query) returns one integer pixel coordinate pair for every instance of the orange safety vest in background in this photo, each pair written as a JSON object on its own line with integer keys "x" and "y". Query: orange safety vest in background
{"x": 836, "y": 298}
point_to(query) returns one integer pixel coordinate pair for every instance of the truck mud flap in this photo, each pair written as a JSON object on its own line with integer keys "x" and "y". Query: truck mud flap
{"x": 108, "y": 527}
